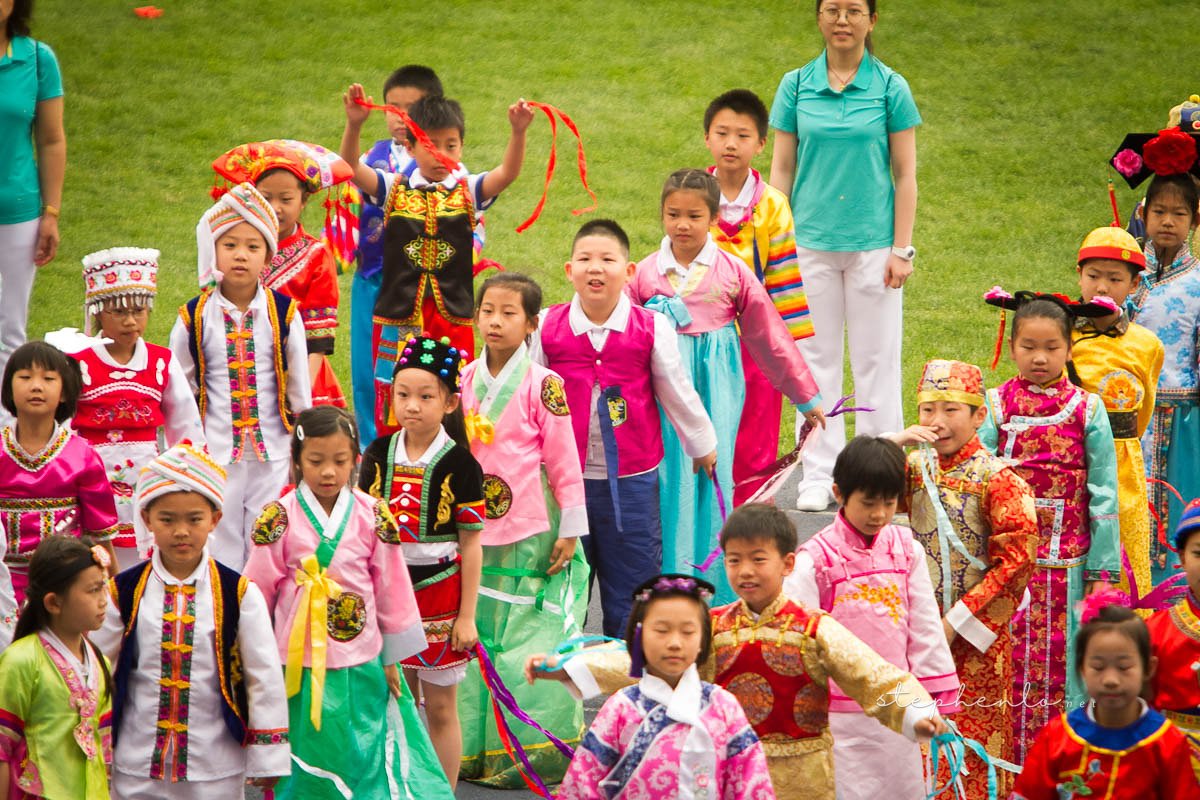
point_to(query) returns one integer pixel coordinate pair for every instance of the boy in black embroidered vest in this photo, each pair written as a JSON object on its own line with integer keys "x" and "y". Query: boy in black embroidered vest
{"x": 243, "y": 351}
{"x": 429, "y": 231}
{"x": 434, "y": 487}
{"x": 199, "y": 705}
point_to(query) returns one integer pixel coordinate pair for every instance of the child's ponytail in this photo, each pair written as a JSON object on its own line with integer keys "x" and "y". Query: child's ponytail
{"x": 456, "y": 426}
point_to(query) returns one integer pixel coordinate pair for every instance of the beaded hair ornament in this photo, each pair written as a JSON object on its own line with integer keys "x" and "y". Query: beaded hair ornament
{"x": 669, "y": 585}
{"x": 436, "y": 356}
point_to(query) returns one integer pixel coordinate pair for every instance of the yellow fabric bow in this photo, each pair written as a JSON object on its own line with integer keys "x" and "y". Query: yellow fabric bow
{"x": 479, "y": 427}
{"x": 311, "y": 614}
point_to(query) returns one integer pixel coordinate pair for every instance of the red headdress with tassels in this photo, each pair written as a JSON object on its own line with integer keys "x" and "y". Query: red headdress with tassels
{"x": 317, "y": 168}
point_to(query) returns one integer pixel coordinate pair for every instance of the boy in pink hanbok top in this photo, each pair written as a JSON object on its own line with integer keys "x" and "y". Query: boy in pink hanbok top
{"x": 872, "y": 577}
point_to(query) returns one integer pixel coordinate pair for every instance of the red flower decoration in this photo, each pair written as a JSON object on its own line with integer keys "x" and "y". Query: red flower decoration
{"x": 1172, "y": 152}
{"x": 148, "y": 12}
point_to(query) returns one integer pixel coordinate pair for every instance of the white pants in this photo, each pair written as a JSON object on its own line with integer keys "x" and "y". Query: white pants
{"x": 249, "y": 485}
{"x": 130, "y": 787}
{"x": 846, "y": 293}
{"x": 871, "y": 761}
{"x": 17, "y": 243}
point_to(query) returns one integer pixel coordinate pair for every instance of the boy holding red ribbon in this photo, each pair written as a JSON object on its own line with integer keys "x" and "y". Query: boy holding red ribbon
{"x": 428, "y": 269}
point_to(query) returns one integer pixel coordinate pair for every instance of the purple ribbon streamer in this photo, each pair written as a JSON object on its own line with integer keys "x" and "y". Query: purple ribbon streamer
{"x": 775, "y": 468}
{"x": 505, "y": 698}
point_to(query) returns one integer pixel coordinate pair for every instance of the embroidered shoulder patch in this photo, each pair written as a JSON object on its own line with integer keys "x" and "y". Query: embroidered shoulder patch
{"x": 271, "y": 524}
{"x": 497, "y": 496}
{"x": 386, "y": 527}
{"x": 554, "y": 396}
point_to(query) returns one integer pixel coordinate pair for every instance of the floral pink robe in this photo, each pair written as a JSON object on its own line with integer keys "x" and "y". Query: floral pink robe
{"x": 637, "y": 749}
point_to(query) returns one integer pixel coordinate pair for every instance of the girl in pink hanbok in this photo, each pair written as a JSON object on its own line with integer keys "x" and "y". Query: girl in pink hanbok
{"x": 1057, "y": 437}
{"x": 671, "y": 735}
{"x": 328, "y": 560}
{"x": 712, "y": 299}
{"x": 51, "y": 481}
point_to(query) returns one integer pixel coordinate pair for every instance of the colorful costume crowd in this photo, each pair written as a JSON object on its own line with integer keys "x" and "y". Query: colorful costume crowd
{"x": 283, "y": 585}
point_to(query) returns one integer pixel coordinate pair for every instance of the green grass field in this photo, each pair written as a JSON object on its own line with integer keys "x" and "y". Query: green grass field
{"x": 1022, "y": 104}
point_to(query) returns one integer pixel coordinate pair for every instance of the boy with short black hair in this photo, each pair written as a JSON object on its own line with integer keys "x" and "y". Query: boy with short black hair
{"x": 754, "y": 223}
{"x": 981, "y": 556}
{"x": 402, "y": 89}
{"x": 872, "y": 577}
{"x": 777, "y": 657}
{"x": 619, "y": 362}
{"x": 427, "y": 283}
{"x": 199, "y": 705}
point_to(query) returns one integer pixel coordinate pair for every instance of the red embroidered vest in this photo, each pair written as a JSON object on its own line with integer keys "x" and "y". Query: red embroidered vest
{"x": 764, "y": 669}
{"x": 119, "y": 404}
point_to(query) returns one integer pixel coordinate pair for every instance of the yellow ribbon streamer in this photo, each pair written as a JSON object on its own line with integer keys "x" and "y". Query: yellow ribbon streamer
{"x": 312, "y": 614}
{"x": 479, "y": 428}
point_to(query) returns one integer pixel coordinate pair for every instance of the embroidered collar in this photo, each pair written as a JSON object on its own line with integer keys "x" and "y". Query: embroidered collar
{"x": 1082, "y": 725}
{"x": 1156, "y": 273}
{"x": 83, "y": 666}
{"x": 683, "y": 704}
{"x": 969, "y": 449}
{"x": 326, "y": 524}
{"x": 617, "y": 321}
{"x": 419, "y": 181}
{"x": 258, "y": 303}
{"x": 426, "y": 458}
{"x": 485, "y": 375}
{"x": 198, "y": 576}
{"x": 768, "y": 613}
{"x": 667, "y": 263}
{"x": 1050, "y": 389}
{"x": 737, "y": 212}
{"x": 36, "y": 461}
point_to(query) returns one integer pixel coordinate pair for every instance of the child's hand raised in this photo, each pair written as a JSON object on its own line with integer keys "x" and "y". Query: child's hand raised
{"x": 930, "y": 727}
{"x": 914, "y": 435}
{"x": 705, "y": 463}
{"x": 520, "y": 115}
{"x": 356, "y": 114}
{"x": 464, "y": 635}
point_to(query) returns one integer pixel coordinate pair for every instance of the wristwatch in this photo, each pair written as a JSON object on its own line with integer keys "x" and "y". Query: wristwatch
{"x": 907, "y": 253}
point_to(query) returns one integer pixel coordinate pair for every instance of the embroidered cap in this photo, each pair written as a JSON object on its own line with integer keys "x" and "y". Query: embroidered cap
{"x": 242, "y": 203}
{"x": 950, "y": 381}
{"x": 186, "y": 467}
{"x": 437, "y": 356}
{"x": 1115, "y": 244}
{"x": 1189, "y": 523}
{"x": 124, "y": 275}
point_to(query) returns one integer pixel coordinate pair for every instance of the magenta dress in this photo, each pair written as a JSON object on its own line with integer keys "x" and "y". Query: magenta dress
{"x": 63, "y": 489}
{"x": 1057, "y": 437}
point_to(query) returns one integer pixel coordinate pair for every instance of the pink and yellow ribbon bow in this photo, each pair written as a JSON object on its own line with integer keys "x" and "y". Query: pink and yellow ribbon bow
{"x": 479, "y": 428}
{"x": 311, "y": 614}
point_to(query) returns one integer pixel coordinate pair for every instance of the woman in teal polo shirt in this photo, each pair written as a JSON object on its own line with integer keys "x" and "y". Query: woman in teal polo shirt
{"x": 845, "y": 152}
{"x": 31, "y": 118}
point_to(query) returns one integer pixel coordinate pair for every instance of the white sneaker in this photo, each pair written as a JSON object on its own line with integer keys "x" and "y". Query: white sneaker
{"x": 814, "y": 498}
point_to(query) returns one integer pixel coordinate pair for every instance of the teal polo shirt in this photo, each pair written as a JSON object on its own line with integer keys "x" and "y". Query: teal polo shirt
{"x": 28, "y": 75}
{"x": 843, "y": 198}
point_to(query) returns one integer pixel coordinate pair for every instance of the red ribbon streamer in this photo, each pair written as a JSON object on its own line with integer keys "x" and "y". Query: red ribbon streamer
{"x": 1112, "y": 199}
{"x": 553, "y": 114}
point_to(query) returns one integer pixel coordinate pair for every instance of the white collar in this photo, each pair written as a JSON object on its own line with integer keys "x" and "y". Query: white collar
{"x": 423, "y": 460}
{"x": 257, "y": 303}
{"x": 744, "y": 196}
{"x": 666, "y": 259}
{"x": 1091, "y": 709}
{"x": 697, "y": 758}
{"x": 197, "y": 576}
{"x": 328, "y": 522}
{"x": 417, "y": 180}
{"x": 486, "y": 375}
{"x": 89, "y": 677}
{"x": 617, "y": 321}
{"x": 137, "y": 363}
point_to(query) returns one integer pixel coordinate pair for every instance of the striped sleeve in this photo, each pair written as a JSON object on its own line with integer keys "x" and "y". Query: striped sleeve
{"x": 782, "y": 273}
